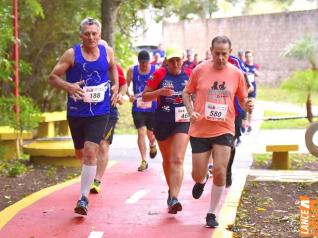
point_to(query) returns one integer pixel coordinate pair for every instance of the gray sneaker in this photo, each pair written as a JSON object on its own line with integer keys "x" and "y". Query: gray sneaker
{"x": 174, "y": 206}
{"x": 211, "y": 221}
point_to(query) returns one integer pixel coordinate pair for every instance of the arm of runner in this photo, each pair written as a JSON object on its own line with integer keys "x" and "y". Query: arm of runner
{"x": 248, "y": 83}
{"x": 247, "y": 104}
{"x": 186, "y": 96}
{"x": 113, "y": 74}
{"x": 55, "y": 77}
{"x": 121, "y": 94}
{"x": 129, "y": 78}
{"x": 257, "y": 73}
{"x": 150, "y": 95}
{"x": 250, "y": 88}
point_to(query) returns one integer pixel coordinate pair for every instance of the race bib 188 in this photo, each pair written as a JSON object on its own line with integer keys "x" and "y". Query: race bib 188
{"x": 143, "y": 105}
{"x": 94, "y": 93}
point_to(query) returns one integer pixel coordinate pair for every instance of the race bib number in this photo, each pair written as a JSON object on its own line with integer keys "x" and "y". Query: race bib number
{"x": 94, "y": 94}
{"x": 215, "y": 112}
{"x": 251, "y": 78}
{"x": 181, "y": 114}
{"x": 143, "y": 105}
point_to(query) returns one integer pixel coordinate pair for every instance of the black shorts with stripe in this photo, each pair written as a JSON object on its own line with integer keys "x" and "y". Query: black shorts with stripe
{"x": 110, "y": 129}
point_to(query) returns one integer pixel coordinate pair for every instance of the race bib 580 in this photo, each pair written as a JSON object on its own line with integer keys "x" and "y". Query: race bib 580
{"x": 215, "y": 111}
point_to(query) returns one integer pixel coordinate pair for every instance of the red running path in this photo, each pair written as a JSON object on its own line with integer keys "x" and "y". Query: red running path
{"x": 109, "y": 212}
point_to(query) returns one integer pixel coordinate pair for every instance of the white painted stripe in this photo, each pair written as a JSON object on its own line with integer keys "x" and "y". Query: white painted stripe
{"x": 136, "y": 196}
{"x": 163, "y": 177}
{"x": 96, "y": 234}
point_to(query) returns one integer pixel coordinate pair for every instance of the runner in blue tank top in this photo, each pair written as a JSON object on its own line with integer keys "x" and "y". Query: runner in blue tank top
{"x": 252, "y": 74}
{"x": 86, "y": 67}
{"x": 142, "y": 112}
{"x": 172, "y": 121}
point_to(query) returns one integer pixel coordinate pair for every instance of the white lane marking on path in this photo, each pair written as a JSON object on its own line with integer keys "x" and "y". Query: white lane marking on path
{"x": 96, "y": 234}
{"x": 136, "y": 196}
{"x": 163, "y": 177}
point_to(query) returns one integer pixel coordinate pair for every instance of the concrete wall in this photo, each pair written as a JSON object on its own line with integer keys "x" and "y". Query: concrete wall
{"x": 267, "y": 35}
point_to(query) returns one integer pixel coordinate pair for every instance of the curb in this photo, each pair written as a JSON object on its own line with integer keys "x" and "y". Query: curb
{"x": 8, "y": 213}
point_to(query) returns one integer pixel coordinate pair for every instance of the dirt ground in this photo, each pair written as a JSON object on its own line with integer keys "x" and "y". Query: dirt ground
{"x": 13, "y": 189}
{"x": 271, "y": 209}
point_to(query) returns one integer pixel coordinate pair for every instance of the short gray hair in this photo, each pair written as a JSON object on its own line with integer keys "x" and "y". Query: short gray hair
{"x": 90, "y": 21}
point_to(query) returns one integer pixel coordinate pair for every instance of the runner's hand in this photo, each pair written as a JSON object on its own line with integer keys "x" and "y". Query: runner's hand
{"x": 75, "y": 91}
{"x": 132, "y": 98}
{"x": 166, "y": 91}
{"x": 120, "y": 99}
{"x": 194, "y": 116}
{"x": 249, "y": 105}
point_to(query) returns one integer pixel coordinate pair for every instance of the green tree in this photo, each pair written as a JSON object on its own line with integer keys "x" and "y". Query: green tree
{"x": 123, "y": 13}
{"x": 260, "y": 6}
{"x": 5, "y": 41}
{"x": 305, "y": 48}
{"x": 306, "y": 81}
{"x": 44, "y": 41}
{"x": 48, "y": 28}
{"x": 28, "y": 10}
{"x": 124, "y": 55}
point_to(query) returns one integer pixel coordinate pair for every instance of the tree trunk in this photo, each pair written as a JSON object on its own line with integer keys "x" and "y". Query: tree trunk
{"x": 308, "y": 107}
{"x": 109, "y": 15}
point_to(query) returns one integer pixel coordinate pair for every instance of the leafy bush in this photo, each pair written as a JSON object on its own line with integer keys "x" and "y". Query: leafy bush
{"x": 15, "y": 168}
{"x": 29, "y": 113}
{"x": 51, "y": 171}
{"x": 123, "y": 53}
{"x": 306, "y": 80}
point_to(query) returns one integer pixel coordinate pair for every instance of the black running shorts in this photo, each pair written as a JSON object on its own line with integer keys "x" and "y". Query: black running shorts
{"x": 200, "y": 145}
{"x": 144, "y": 119}
{"x": 110, "y": 130}
{"x": 165, "y": 129}
{"x": 87, "y": 129}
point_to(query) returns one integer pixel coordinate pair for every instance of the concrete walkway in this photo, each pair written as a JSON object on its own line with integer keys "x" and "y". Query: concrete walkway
{"x": 284, "y": 176}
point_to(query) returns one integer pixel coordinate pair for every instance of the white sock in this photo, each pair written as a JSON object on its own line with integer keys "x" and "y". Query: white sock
{"x": 216, "y": 194}
{"x": 87, "y": 178}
